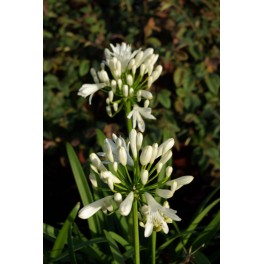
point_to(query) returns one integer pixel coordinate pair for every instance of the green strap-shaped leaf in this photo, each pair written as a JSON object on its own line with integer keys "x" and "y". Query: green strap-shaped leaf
{"x": 62, "y": 237}
{"x": 100, "y": 137}
{"x": 82, "y": 185}
{"x": 208, "y": 233}
{"x": 195, "y": 223}
{"x": 119, "y": 259}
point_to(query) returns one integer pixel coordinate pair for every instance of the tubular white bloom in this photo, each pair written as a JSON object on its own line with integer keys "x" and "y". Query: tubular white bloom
{"x": 155, "y": 216}
{"x": 115, "y": 166}
{"x": 129, "y": 79}
{"x": 115, "y": 106}
{"x": 125, "y": 90}
{"x": 169, "y": 170}
{"x": 133, "y": 142}
{"x": 126, "y": 205}
{"x": 150, "y": 81}
{"x": 103, "y": 76}
{"x": 122, "y": 155}
{"x": 137, "y": 114}
{"x": 165, "y": 146}
{"x": 89, "y": 210}
{"x": 159, "y": 167}
{"x": 90, "y": 89}
{"x": 122, "y": 53}
{"x": 164, "y": 193}
{"x": 131, "y": 91}
{"x": 146, "y": 155}
{"x": 180, "y": 181}
{"x": 109, "y": 111}
{"x": 139, "y": 140}
{"x": 113, "y": 85}
{"x": 144, "y": 176}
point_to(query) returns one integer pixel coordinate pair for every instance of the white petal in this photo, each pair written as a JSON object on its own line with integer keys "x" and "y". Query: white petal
{"x": 133, "y": 142}
{"x": 146, "y": 155}
{"x": 92, "y": 178}
{"x": 88, "y": 89}
{"x": 148, "y": 228}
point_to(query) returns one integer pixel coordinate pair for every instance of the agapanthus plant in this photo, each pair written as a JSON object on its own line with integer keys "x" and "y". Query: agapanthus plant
{"x": 129, "y": 172}
{"x": 126, "y": 77}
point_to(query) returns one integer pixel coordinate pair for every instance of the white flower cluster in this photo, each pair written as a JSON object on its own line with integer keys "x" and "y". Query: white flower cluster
{"x": 127, "y": 78}
{"x": 131, "y": 172}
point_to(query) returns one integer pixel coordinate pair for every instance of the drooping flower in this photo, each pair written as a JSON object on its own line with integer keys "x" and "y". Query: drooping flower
{"x": 90, "y": 89}
{"x": 137, "y": 113}
{"x": 90, "y": 209}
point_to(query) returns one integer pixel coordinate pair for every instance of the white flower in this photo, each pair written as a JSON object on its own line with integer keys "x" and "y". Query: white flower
{"x": 90, "y": 89}
{"x": 89, "y": 210}
{"x": 122, "y": 53}
{"x": 156, "y": 216}
{"x": 137, "y": 114}
{"x": 126, "y": 205}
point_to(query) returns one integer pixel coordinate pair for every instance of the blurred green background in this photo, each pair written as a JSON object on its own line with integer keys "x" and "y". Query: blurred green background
{"x": 186, "y": 36}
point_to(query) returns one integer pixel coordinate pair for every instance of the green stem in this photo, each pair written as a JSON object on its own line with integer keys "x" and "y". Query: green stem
{"x": 136, "y": 235}
{"x": 153, "y": 247}
{"x": 128, "y": 121}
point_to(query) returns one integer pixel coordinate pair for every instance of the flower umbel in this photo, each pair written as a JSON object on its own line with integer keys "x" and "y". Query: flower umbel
{"x": 133, "y": 177}
{"x": 126, "y": 76}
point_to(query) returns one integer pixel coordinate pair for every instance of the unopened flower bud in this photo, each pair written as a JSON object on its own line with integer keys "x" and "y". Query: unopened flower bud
{"x": 146, "y": 103}
{"x": 142, "y": 69}
{"x": 109, "y": 111}
{"x": 133, "y": 142}
{"x": 118, "y": 197}
{"x": 93, "y": 72}
{"x": 166, "y": 157}
{"x": 92, "y": 178}
{"x": 115, "y": 106}
{"x": 115, "y": 166}
{"x": 122, "y": 155}
{"x": 129, "y": 79}
{"x": 111, "y": 96}
{"x": 145, "y": 155}
{"x": 125, "y": 90}
{"x": 113, "y": 85}
{"x": 119, "y": 83}
{"x": 138, "y": 58}
{"x": 150, "y": 81}
{"x": 139, "y": 140}
{"x": 131, "y": 64}
{"x": 159, "y": 167}
{"x": 131, "y": 91}
{"x": 144, "y": 176}
{"x": 108, "y": 150}
{"x": 102, "y": 66}
{"x": 134, "y": 68}
{"x": 169, "y": 170}
{"x": 154, "y": 152}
